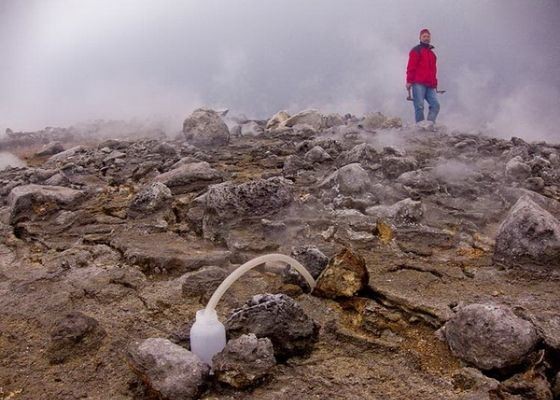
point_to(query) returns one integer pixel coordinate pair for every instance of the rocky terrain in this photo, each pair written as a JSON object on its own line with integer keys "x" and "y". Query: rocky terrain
{"x": 436, "y": 254}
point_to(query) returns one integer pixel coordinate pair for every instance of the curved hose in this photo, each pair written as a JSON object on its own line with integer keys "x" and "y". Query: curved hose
{"x": 235, "y": 275}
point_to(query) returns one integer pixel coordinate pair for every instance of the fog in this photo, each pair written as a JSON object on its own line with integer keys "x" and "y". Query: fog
{"x": 68, "y": 61}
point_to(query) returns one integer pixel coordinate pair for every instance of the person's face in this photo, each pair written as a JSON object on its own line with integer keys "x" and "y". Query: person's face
{"x": 425, "y": 38}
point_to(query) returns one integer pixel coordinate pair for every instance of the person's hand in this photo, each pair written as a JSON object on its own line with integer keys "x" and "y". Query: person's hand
{"x": 408, "y": 86}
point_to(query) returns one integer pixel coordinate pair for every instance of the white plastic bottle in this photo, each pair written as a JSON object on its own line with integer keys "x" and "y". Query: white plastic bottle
{"x": 208, "y": 335}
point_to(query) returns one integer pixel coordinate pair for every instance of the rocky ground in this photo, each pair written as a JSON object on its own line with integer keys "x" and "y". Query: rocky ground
{"x": 437, "y": 257}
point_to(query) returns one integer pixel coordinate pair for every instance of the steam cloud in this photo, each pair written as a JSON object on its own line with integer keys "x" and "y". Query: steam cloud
{"x": 68, "y": 61}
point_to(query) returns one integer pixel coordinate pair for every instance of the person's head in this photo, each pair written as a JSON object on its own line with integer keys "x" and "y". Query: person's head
{"x": 425, "y": 36}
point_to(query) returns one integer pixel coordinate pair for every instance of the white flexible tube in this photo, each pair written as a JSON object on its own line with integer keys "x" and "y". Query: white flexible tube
{"x": 235, "y": 275}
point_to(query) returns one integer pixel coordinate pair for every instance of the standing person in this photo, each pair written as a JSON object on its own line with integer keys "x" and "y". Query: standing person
{"x": 421, "y": 77}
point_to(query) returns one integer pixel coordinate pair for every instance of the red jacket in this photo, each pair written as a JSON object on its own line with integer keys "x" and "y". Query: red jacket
{"x": 422, "y": 66}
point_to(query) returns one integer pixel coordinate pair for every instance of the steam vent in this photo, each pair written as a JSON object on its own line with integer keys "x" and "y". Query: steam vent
{"x": 435, "y": 256}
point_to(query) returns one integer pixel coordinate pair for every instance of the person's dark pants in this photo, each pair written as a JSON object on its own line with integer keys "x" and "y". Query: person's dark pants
{"x": 421, "y": 93}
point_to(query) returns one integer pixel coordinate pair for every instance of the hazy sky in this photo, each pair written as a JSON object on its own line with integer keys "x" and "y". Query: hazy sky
{"x": 72, "y": 60}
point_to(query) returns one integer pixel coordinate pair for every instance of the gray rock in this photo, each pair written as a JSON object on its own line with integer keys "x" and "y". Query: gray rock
{"x": 244, "y": 362}
{"x": 421, "y": 180}
{"x": 75, "y": 335}
{"x": 364, "y": 154}
{"x": 293, "y": 164}
{"x": 476, "y": 385}
{"x": 312, "y": 118}
{"x": 150, "y": 199}
{"x": 166, "y": 149}
{"x": 253, "y": 198}
{"x": 251, "y": 128}
{"x": 490, "y": 336}
{"x": 202, "y": 282}
{"x": 402, "y": 212}
{"x": 350, "y": 179}
{"x": 333, "y": 119}
{"x": 373, "y": 121}
{"x": 190, "y": 177}
{"x": 345, "y": 275}
{"x": 278, "y": 318}
{"x": 312, "y": 259}
{"x": 36, "y": 201}
{"x": 317, "y": 155}
{"x": 394, "y": 166}
{"x": 528, "y": 233}
{"x": 516, "y": 169}
{"x": 205, "y": 128}
{"x": 556, "y": 387}
{"x": 277, "y": 120}
{"x": 169, "y": 370}
{"x": 64, "y": 156}
{"x": 51, "y": 149}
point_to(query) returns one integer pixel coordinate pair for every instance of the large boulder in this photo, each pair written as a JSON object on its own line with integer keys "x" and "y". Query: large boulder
{"x": 490, "y": 336}
{"x": 279, "y": 318}
{"x": 528, "y": 233}
{"x": 350, "y": 179}
{"x": 204, "y": 127}
{"x": 244, "y": 361}
{"x": 168, "y": 370}
{"x": 190, "y": 177}
{"x": 37, "y": 201}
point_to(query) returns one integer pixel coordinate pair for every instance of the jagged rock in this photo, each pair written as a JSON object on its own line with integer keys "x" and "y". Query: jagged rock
{"x": 312, "y": 118}
{"x": 394, "y": 166}
{"x": 64, "y": 156}
{"x": 205, "y": 128}
{"x": 332, "y": 120}
{"x": 556, "y": 387}
{"x": 279, "y": 318}
{"x": 36, "y": 201}
{"x": 530, "y": 385}
{"x": 345, "y": 275}
{"x": 364, "y": 153}
{"x": 528, "y": 233}
{"x": 75, "y": 335}
{"x": 350, "y": 179}
{"x": 203, "y": 281}
{"x": 51, "y": 149}
{"x": 293, "y": 164}
{"x": 402, "y": 212}
{"x": 317, "y": 155}
{"x": 277, "y": 120}
{"x": 190, "y": 177}
{"x": 165, "y": 252}
{"x": 168, "y": 370}
{"x": 516, "y": 169}
{"x": 475, "y": 383}
{"x": 244, "y": 361}
{"x": 230, "y": 201}
{"x": 251, "y": 128}
{"x": 166, "y": 149}
{"x": 490, "y": 336}
{"x": 312, "y": 259}
{"x": 421, "y": 180}
{"x": 150, "y": 199}
{"x": 373, "y": 121}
